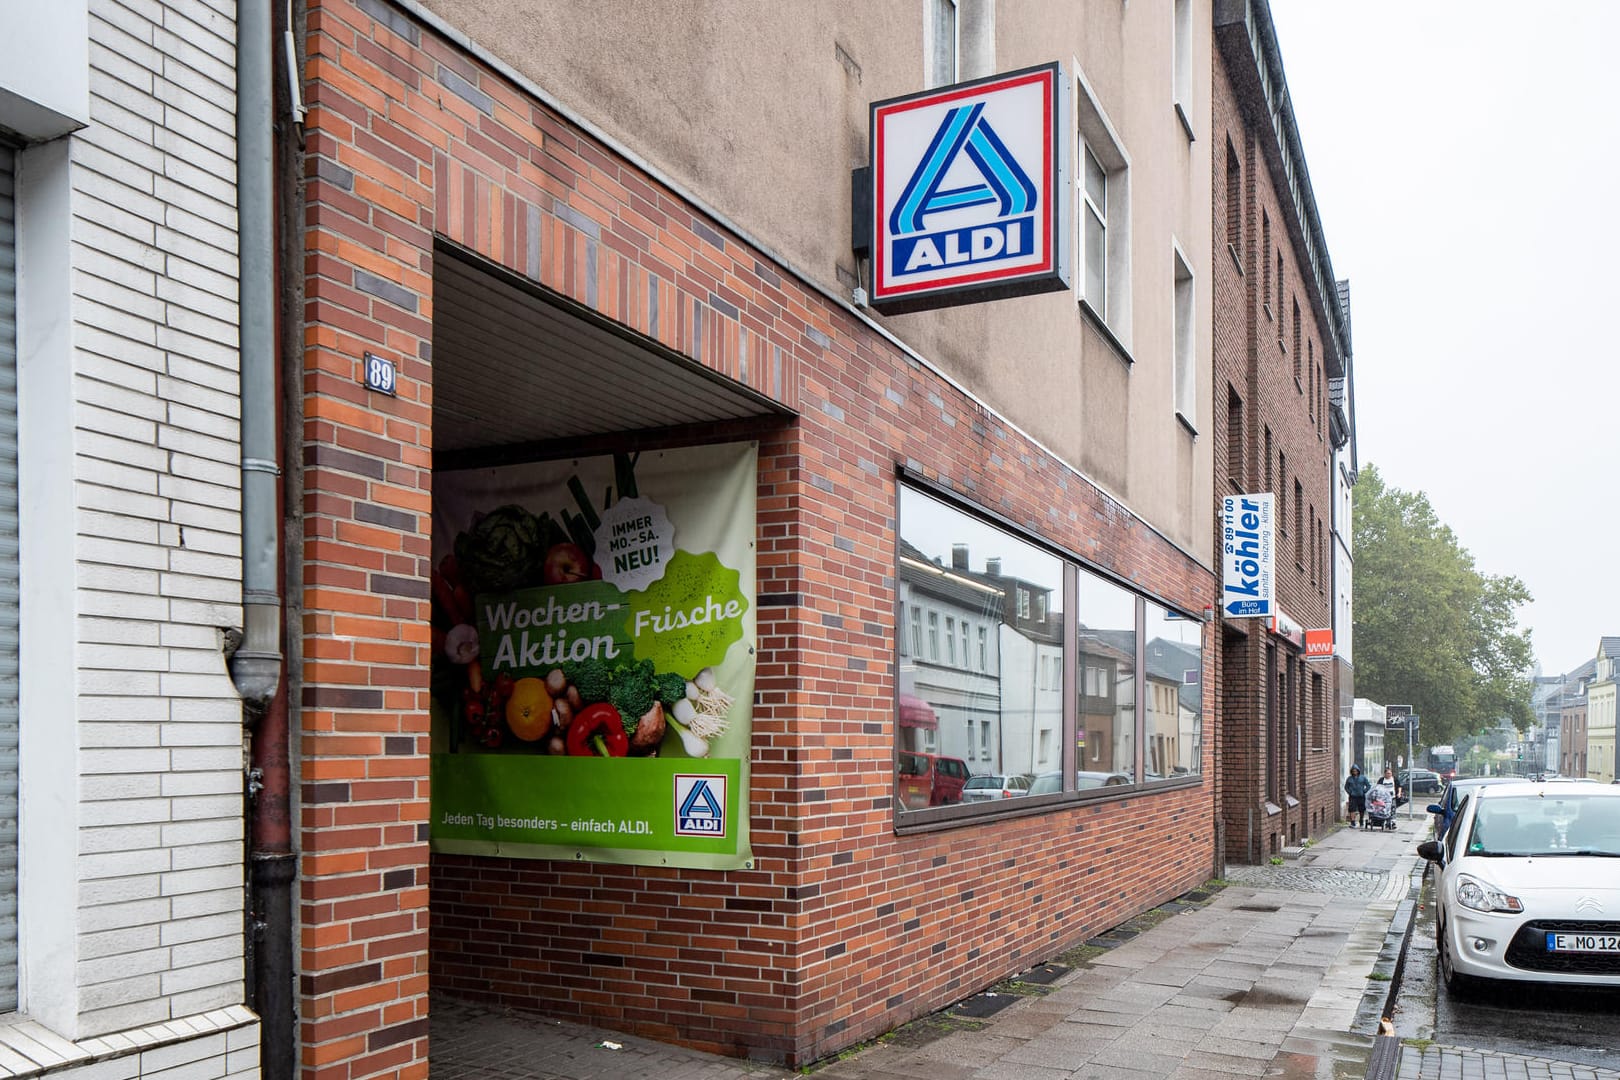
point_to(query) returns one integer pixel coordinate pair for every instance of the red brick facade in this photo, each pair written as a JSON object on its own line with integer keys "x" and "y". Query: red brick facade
{"x": 843, "y": 928}
{"x": 1279, "y": 714}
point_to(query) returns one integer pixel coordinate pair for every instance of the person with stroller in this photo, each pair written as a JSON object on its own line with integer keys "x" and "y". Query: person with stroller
{"x": 1381, "y": 804}
{"x": 1356, "y": 786}
{"x": 1389, "y": 778}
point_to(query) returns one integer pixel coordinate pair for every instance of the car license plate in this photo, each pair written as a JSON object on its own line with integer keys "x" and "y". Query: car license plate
{"x": 1583, "y": 942}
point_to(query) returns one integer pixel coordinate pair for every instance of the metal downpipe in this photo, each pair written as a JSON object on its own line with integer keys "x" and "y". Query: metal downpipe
{"x": 256, "y": 666}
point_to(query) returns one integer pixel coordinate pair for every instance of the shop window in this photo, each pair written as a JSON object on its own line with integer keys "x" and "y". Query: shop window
{"x": 1131, "y": 705}
{"x": 991, "y": 717}
{"x": 1105, "y": 638}
{"x": 1173, "y": 663}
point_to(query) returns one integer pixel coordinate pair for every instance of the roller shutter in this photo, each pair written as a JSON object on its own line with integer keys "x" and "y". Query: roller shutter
{"x": 8, "y": 580}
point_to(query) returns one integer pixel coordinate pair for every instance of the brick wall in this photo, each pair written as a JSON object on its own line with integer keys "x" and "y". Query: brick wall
{"x": 842, "y": 929}
{"x": 1282, "y": 419}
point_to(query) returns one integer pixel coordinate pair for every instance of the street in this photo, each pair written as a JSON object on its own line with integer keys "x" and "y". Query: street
{"x": 1533, "y": 1019}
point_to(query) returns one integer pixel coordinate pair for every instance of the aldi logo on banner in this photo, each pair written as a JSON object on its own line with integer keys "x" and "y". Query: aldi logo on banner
{"x": 970, "y": 192}
{"x": 1248, "y": 532}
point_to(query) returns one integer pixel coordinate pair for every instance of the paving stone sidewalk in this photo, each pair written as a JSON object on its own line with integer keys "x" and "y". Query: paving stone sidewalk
{"x": 1281, "y": 973}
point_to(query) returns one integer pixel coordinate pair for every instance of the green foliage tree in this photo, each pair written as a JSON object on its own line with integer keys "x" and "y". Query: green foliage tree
{"x": 1430, "y": 629}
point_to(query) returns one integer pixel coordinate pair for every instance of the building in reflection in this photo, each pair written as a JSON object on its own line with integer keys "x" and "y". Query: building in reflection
{"x": 980, "y": 673}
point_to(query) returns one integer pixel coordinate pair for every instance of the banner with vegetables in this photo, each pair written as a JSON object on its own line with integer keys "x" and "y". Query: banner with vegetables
{"x": 593, "y": 662}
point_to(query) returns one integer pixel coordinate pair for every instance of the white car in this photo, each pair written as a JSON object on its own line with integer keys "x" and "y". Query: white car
{"x": 1529, "y": 886}
{"x": 994, "y": 786}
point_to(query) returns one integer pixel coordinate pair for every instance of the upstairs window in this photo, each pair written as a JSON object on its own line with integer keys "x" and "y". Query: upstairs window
{"x": 940, "y": 42}
{"x": 1182, "y": 63}
{"x": 1102, "y": 215}
{"x": 1186, "y": 341}
{"x": 1234, "y": 202}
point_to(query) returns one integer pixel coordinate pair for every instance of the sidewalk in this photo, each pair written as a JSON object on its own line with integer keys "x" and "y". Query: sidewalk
{"x": 1284, "y": 972}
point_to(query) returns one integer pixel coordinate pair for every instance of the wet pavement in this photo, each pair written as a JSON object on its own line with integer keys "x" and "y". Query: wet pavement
{"x": 1517, "y": 1023}
{"x": 1279, "y": 971}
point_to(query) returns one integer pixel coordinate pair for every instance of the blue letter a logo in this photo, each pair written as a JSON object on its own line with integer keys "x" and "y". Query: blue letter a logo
{"x": 964, "y": 130}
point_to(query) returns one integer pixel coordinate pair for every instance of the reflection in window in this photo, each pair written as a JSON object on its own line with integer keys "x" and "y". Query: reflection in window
{"x": 992, "y": 714}
{"x": 1105, "y": 736}
{"x": 1174, "y": 663}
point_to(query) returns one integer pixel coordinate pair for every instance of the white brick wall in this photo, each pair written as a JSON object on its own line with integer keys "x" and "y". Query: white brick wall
{"x": 157, "y": 551}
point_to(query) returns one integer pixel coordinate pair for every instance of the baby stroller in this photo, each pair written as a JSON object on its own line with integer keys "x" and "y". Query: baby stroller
{"x": 1380, "y": 807}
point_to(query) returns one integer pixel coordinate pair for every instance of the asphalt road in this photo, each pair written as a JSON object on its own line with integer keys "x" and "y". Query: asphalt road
{"x": 1578, "y": 1025}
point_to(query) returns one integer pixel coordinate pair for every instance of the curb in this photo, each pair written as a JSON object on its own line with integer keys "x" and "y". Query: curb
{"x": 1386, "y": 1055}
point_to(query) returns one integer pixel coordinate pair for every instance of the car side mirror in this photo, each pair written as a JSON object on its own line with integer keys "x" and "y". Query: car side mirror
{"x": 1431, "y": 851}
{"x": 1436, "y": 808}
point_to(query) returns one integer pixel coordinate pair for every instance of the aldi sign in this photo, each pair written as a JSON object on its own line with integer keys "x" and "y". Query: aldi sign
{"x": 970, "y": 192}
{"x": 1248, "y": 532}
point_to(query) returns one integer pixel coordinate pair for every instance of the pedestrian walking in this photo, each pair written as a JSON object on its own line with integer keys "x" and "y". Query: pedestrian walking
{"x": 1389, "y": 778}
{"x": 1356, "y": 786}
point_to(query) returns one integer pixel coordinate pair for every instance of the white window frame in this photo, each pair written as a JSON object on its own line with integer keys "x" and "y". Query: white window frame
{"x": 1185, "y": 336}
{"x": 1181, "y": 65}
{"x": 932, "y": 75}
{"x": 1095, "y": 133}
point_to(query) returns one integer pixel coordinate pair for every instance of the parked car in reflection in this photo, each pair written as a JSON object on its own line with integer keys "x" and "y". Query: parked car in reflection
{"x": 1529, "y": 885}
{"x": 985, "y": 787}
{"x": 1047, "y": 783}
{"x": 929, "y": 779}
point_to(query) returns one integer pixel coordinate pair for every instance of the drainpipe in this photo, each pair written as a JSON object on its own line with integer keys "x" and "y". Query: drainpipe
{"x": 256, "y": 666}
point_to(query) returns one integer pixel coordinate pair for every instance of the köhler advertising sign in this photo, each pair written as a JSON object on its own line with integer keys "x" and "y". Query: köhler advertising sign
{"x": 1247, "y": 542}
{"x": 970, "y": 191}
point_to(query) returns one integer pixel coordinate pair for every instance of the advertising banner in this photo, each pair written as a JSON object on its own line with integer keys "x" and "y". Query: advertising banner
{"x": 1319, "y": 644}
{"x": 1248, "y": 533}
{"x": 593, "y": 662}
{"x": 970, "y": 196}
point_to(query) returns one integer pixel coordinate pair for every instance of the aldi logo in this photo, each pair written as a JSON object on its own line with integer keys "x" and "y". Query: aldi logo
{"x": 970, "y": 192}
{"x": 700, "y": 805}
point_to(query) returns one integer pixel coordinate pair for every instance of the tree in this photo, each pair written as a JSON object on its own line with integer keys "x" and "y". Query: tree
{"x": 1430, "y": 629}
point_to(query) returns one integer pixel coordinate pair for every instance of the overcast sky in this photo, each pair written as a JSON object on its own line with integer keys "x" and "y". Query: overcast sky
{"x": 1464, "y": 157}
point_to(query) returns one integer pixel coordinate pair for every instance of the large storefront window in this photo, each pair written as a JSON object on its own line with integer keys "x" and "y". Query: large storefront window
{"x": 1174, "y": 663}
{"x": 992, "y": 710}
{"x": 990, "y": 685}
